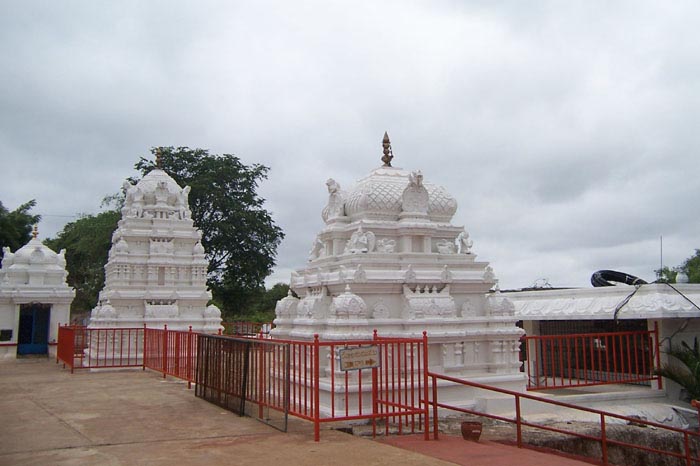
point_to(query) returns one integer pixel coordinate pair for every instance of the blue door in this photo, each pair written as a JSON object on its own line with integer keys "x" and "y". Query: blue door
{"x": 33, "y": 336}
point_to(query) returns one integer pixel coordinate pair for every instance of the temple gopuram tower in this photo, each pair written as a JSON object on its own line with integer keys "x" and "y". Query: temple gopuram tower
{"x": 389, "y": 258}
{"x": 156, "y": 272}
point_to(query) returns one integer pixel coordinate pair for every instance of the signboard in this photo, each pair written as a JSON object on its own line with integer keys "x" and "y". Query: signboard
{"x": 363, "y": 357}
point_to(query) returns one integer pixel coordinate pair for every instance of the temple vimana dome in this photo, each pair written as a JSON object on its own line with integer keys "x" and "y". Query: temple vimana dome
{"x": 388, "y": 257}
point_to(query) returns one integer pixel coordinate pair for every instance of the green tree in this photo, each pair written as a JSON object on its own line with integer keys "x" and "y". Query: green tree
{"x": 87, "y": 242}
{"x": 16, "y": 226}
{"x": 666, "y": 275}
{"x": 239, "y": 235}
{"x": 686, "y": 374}
{"x": 691, "y": 267}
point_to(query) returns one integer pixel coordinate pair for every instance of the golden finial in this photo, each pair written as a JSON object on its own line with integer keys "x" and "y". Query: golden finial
{"x": 159, "y": 159}
{"x": 388, "y": 153}
{"x": 35, "y": 231}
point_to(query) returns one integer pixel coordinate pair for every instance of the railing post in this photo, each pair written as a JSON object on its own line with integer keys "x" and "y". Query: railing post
{"x": 426, "y": 408}
{"x": 435, "y": 408}
{"x": 165, "y": 348}
{"x": 144, "y": 348}
{"x": 603, "y": 440}
{"x": 375, "y": 392}
{"x": 188, "y": 364}
{"x": 518, "y": 421}
{"x": 657, "y": 351}
{"x": 316, "y": 395}
{"x": 686, "y": 443}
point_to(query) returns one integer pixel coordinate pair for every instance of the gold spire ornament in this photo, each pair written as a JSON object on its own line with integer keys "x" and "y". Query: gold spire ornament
{"x": 35, "y": 231}
{"x": 159, "y": 159}
{"x": 388, "y": 153}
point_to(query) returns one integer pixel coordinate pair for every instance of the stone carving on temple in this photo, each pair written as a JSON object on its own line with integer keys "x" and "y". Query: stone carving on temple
{"x": 348, "y": 306}
{"x": 410, "y": 274}
{"x": 445, "y": 247}
{"x": 415, "y": 197}
{"x": 386, "y": 245}
{"x": 463, "y": 243}
{"x": 360, "y": 276}
{"x": 287, "y": 307}
{"x": 336, "y": 201}
{"x": 380, "y": 310}
{"x": 360, "y": 242}
{"x": 425, "y": 302}
{"x": 318, "y": 249}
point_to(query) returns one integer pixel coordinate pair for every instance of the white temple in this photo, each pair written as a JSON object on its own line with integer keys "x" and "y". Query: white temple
{"x": 34, "y": 299}
{"x": 156, "y": 272}
{"x": 389, "y": 259}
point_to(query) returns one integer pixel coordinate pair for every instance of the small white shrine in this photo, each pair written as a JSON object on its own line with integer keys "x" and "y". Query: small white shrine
{"x": 389, "y": 259}
{"x": 34, "y": 299}
{"x": 156, "y": 273}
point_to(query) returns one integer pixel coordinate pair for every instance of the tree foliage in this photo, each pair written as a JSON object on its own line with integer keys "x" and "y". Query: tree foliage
{"x": 238, "y": 234}
{"x": 87, "y": 242}
{"x": 687, "y": 374}
{"x": 691, "y": 267}
{"x": 666, "y": 275}
{"x": 16, "y": 226}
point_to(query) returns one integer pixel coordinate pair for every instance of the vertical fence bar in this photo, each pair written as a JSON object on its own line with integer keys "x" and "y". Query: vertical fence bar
{"x": 316, "y": 380}
{"x": 657, "y": 348}
{"x": 603, "y": 440}
{"x": 518, "y": 422}
{"x": 426, "y": 412}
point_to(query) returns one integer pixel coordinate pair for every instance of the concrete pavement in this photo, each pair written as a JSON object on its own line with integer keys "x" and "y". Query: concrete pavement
{"x": 48, "y": 416}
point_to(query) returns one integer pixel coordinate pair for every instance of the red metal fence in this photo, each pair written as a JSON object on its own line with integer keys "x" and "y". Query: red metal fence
{"x": 305, "y": 379}
{"x": 172, "y": 352}
{"x": 302, "y": 378}
{"x": 687, "y": 438}
{"x": 83, "y": 348}
{"x": 576, "y": 360}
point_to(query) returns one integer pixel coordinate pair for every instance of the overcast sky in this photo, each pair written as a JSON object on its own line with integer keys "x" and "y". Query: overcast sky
{"x": 567, "y": 131}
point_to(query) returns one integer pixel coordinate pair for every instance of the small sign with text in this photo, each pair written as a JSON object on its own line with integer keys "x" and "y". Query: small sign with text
{"x": 363, "y": 357}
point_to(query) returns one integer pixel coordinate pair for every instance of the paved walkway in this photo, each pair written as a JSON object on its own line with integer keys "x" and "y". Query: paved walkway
{"x": 48, "y": 416}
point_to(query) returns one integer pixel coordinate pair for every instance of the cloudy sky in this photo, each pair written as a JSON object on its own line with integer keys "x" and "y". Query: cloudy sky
{"x": 567, "y": 131}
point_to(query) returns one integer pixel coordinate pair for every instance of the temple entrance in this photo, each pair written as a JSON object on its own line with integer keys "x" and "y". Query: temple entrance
{"x": 33, "y": 337}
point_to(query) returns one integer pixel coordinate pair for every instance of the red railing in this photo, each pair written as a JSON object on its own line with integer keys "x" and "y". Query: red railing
{"x": 603, "y": 438}
{"x": 583, "y": 359}
{"x": 305, "y": 379}
{"x": 244, "y": 328}
{"x": 393, "y": 391}
{"x": 171, "y": 352}
{"x": 83, "y": 348}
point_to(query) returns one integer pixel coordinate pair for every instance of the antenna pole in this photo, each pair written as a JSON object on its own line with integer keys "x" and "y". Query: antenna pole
{"x": 661, "y": 248}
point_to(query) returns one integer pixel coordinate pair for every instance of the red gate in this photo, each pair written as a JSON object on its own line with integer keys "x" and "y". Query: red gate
{"x": 583, "y": 359}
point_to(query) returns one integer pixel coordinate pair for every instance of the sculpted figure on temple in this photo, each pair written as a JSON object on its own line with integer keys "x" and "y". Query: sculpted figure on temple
{"x": 318, "y": 249}
{"x": 463, "y": 243}
{"x": 162, "y": 194}
{"x": 415, "y": 197}
{"x": 182, "y": 203}
{"x": 336, "y": 201}
{"x": 133, "y": 202}
{"x": 386, "y": 245}
{"x": 8, "y": 257}
{"x": 360, "y": 242}
{"x": 445, "y": 247}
